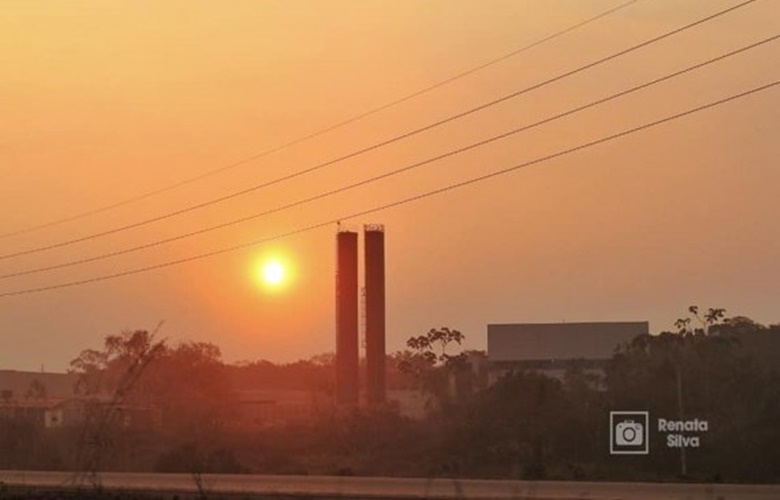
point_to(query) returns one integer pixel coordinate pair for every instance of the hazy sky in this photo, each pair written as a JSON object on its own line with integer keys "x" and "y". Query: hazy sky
{"x": 101, "y": 101}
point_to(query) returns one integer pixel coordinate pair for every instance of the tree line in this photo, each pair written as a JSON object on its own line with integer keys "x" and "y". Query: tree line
{"x": 153, "y": 406}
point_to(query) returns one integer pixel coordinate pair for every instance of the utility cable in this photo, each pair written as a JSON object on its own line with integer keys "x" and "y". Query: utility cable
{"x": 401, "y": 202}
{"x": 392, "y": 172}
{"x": 377, "y": 145}
{"x": 320, "y": 132}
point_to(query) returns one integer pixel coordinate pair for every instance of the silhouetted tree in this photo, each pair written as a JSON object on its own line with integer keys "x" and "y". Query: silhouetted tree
{"x": 429, "y": 363}
{"x": 519, "y": 425}
{"x": 713, "y": 372}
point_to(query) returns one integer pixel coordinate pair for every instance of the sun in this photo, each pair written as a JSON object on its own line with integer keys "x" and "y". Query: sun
{"x": 273, "y": 273}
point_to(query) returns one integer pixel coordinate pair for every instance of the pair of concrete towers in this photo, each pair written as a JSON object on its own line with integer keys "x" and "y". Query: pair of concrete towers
{"x": 347, "y": 307}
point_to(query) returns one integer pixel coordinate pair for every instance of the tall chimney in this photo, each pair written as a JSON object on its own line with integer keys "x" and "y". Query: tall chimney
{"x": 347, "y": 318}
{"x": 375, "y": 313}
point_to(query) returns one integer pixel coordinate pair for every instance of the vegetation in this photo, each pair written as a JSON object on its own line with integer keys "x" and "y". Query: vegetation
{"x": 151, "y": 406}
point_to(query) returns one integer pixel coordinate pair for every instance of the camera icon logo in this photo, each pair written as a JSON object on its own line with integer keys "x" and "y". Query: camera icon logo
{"x": 629, "y": 432}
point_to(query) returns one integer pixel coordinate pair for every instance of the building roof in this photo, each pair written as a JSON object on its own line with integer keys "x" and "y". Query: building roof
{"x": 56, "y": 385}
{"x": 559, "y": 341}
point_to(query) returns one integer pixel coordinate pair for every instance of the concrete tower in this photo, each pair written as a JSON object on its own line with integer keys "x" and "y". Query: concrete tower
{"x": 347, "y": 318}
{"x": 375, "y": 313}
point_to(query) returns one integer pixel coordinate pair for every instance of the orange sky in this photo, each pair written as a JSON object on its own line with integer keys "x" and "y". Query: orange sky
{"x": 100, "y": 101}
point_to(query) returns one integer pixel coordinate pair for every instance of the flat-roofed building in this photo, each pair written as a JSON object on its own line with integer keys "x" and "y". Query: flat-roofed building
{"x": 15, "y": 385}
{"x": 44, "y": 399}
{"x": 552, "y": 347}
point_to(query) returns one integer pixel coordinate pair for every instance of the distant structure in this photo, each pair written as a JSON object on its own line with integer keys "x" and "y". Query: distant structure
{"x": 551, "y": 347}
{"x": 347, "y": 318}
{"x": 47, "y": 400}
{"x": 347, "y": 323}
{"x": 375, "y": 313}
{"x": 19, "y": 385}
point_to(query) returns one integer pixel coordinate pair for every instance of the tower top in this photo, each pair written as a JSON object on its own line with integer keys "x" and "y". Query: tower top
{"x": 374, "y": 227}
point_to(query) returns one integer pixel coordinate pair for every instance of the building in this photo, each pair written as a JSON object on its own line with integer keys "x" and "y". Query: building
{"x": 52, "y": 400}
{"x": 552, "y": 347}
{"x": 277, "y": 407}
{"x": 20, "y": 385}
{"x": 43, "y": 399}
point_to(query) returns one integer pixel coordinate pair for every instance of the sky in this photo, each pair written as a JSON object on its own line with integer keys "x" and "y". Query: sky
{"x": 104, "y": 101}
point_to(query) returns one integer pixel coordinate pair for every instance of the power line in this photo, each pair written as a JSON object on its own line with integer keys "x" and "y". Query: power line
{"x": 377, "y": 145}
{"x": 398, "y": 171}
{"x": 322, "y": 131}
{"x": 404, "y": 201}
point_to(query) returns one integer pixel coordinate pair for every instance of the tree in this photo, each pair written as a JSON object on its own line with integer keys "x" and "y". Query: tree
{"x": 678, "y": 356}
{"x": 715, "y": 372}
{"x": 119, "y": 365}
{"x": 137, "y": 386}
{"x": 429, "y": 363}
{"x": 110, "y": 378}
{"x": 712, "y": 317}
{"x": 519, "y": 422}
{"x": 190, "y": 387}
{"x": 433, "y": 345}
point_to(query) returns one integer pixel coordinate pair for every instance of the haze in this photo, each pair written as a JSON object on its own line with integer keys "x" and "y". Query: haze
{"x": 102, "y": 101}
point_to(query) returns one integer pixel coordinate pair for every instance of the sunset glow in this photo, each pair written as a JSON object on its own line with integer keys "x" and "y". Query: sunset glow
{"x": 98, "y": 112}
